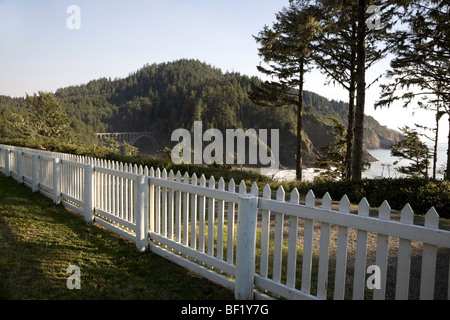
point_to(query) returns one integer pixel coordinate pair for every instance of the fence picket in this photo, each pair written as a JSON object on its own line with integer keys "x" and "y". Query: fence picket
{"x": 164, "y": 205}
{"x": 359, "y": 278}
{"x": 322, "y": 281}
{"x": 186, "y": 212}
{"x": 429, "y": 254}
{"x": 193, "y": 213}
{"x": 292, "y": 243}
{"x": 265, "y": 227}
{"x": 381, "y": 258}
{"x": 220, "y": 220}
{"x": 178, "y": 199}
{"x": 201, "y": 217}
{"x": 158, "y": 203}
{"x": 242, "y": 187}
{"x": 151, "y": 210}
{"x": 278, "y": 241}
{"x": 308, "y": 236}
{"x": 170, "y": 207}
{"x": 341, "y": 256}
{"x": 404, "y": 258}
{"x": 126, "y": 206}
{"x": 211, "y": 218}
{"x": 230, "y": 223}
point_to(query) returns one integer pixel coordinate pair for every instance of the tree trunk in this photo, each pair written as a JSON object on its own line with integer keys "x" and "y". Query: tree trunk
{"x": 351, "y": 112}
{"x": 447, "y": 175}
{"x": 436, "y": 138}
{"x": 298, "y": 160}
{"x": 360, "y": 93}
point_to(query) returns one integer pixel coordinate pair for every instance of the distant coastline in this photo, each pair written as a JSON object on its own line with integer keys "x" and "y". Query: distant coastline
{"x": 382, "y": 168}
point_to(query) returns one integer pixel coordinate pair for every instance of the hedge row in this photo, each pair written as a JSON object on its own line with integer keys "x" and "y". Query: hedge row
{"x": 421, "y": 194}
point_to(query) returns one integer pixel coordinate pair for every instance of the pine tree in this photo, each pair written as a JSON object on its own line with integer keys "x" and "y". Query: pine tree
{"x": 333, "y": 158}
{"x": 351, "y": 46}
{"x": 286, "y": 47}
{"x": 48, "y": 118}
{"x": 413, "y": 149}
{"x": 422, "y": 59}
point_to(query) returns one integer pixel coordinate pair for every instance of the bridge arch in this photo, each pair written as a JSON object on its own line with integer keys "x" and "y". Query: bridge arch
{"x": 130, "y": 137}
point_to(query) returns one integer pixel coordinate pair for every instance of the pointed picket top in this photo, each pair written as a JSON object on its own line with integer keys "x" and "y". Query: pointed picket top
{"x": 242, "y": 187}
{"x": 146, "y": 170}
{"x": 254, "y": 189}
{"x": 363, "y": 207}
{"x": 152, "y": 172}
{"x": 310, "y": 200}
{"x": 231, "y": 185}
{"x": 384, "y": 211}
{"x": 407, "y": 214}
{"x": 202, "y": 180}
{"x": 186, "y": 178}
{"x": 136, "y": 168}
{"x": 267, "y": 192}
{"x": 141, "y": 169}
{"x": 171, "y": 175}
{"x": 280, "y": 193}
{"x": 178, "y": 176}
{"x": 326, "y": 201}
{"x": 212, "y": 182}
{"x": 432, "y": 219}
{"x": 344, "y": 204}
{"x": 164, "y": 174}
{"x": 295, "y": 196}
{"x": 221, "y": 185}
{"x": 121, "y": 166}
{"x": 125, "y": 167}
{"x": 194, "y": 179}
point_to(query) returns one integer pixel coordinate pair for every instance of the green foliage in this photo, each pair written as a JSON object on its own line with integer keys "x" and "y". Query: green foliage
{"x": 413, "y": 149}
{"x": 333, "y": 155}
{"x": 420, "y": 193}
{"x": 47, "y": 117}
{"x": 41, "y": 118}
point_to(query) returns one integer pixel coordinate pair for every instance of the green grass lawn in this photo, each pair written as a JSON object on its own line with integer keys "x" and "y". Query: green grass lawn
{"x": 39, "y": 241}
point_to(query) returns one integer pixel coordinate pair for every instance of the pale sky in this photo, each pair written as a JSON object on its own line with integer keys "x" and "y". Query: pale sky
{"x": 39, "y": 52}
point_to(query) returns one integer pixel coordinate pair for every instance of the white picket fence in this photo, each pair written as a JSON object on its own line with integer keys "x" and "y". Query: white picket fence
{"x": 257, "y": 245}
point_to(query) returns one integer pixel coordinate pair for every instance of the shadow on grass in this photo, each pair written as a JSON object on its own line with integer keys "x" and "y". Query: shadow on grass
{"x": 39, "y": 241}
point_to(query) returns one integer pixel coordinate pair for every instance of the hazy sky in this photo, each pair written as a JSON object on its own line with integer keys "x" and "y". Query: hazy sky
{"x": 38, "y": 51}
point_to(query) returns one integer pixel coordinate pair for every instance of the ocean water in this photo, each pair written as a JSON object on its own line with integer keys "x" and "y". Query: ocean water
{"x": 384, "y": 167}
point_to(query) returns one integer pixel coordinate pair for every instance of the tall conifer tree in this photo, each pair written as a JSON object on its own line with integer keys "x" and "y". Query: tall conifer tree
{"x": 422, "y": 60}
{"x": 286, "y": 48}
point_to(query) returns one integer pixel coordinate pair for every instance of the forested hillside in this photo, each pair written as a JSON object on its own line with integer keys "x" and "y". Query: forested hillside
{"x": 167, "y": 96}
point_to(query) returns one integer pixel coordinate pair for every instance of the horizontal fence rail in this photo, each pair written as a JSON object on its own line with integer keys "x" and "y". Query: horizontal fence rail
{"x": 258, "y": 244}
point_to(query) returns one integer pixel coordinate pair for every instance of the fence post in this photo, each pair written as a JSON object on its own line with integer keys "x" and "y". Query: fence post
{"x": 56, "y": 180}
{"x": 19, "y": 167}
{"x": 141, "y": 213}
{"x": 151, "y": 211}
{"x": 34, "y": 174}
{"x": 245, "y": 247}
{"x": 88, "y": 193}
{"x": 7, "y": 172}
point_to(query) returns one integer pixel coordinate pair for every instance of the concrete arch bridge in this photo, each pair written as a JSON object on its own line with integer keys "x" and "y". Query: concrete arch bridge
{"x": 130, "y": 137}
